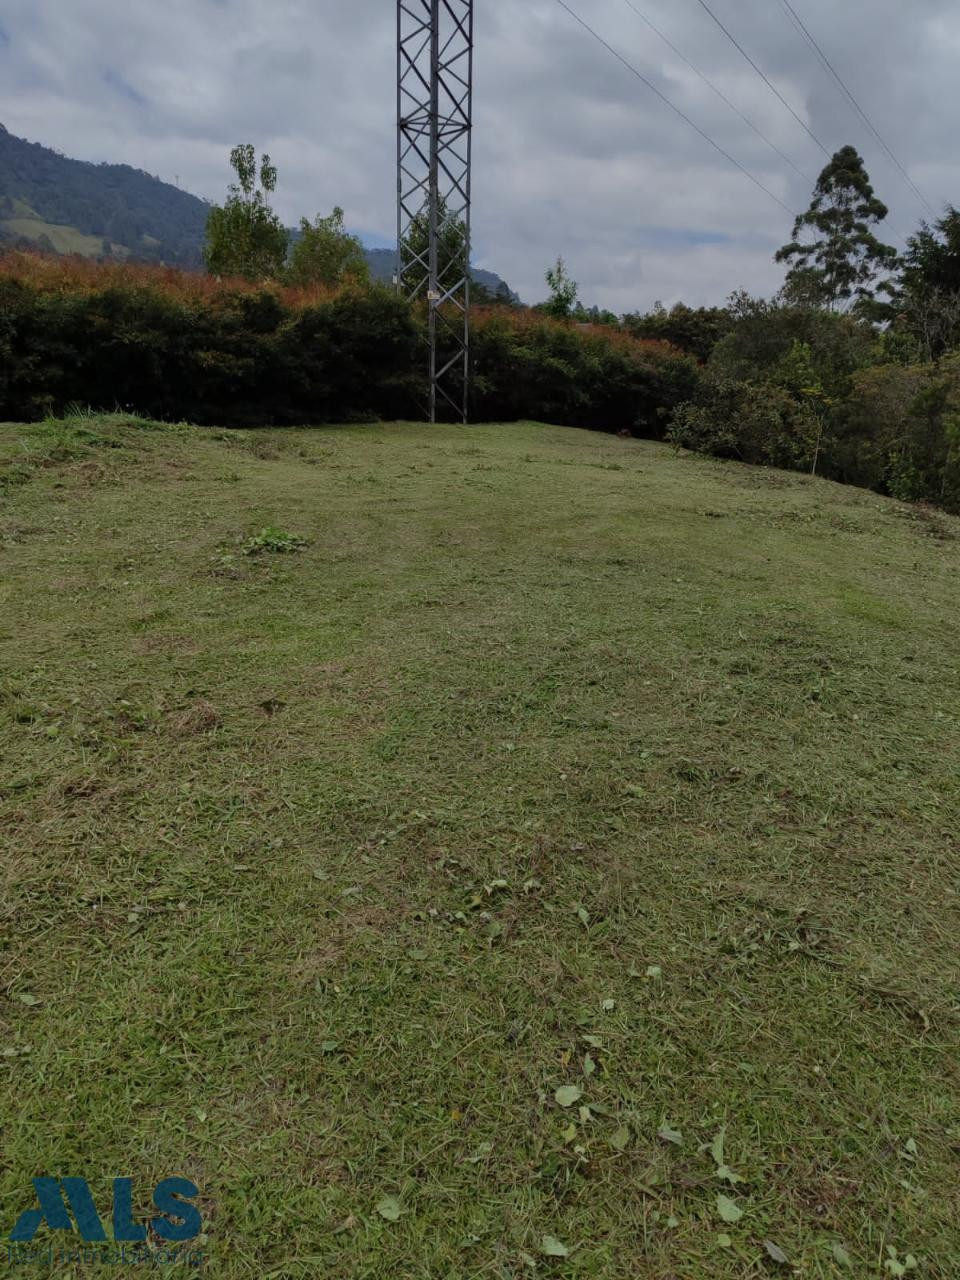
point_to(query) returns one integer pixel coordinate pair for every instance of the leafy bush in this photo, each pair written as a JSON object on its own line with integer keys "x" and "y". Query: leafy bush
{"x": 752, "y": 422}
{"x": 695, "y": 330}
{"x": 899, "y": 432}
{"x": 527, "y": 365}
{"x": 164, "y": 346}
{"x": 896, "y": 431}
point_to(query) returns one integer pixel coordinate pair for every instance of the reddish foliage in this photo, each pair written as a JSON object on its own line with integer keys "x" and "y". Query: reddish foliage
{"x": 47, "y": 273}
{"x": 521, "y": 319}
{"x": 50, "y": 274}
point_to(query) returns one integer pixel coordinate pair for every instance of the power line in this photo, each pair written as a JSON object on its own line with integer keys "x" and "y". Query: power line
{"x": 769, "y": 83}
{"x": 719, "y": 92}
{"x": 673, "y": 107}
{"x": 811, "y": 40}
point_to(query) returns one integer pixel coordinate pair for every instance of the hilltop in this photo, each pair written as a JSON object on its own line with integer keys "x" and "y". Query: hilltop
{"x": 501, "y": 851}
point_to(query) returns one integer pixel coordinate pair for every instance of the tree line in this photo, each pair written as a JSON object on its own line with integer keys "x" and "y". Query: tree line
{"x": 851, "y": 371}
{"x": 245, "y": 238}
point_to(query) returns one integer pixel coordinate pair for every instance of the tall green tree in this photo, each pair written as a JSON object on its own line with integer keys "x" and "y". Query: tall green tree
{"x": 927, "y": 300}
{"x": 932, "y": 259}
{"x": 244, "y": 236}
{"x": 325, "y": 253}
{"x": 563, "y": 291}
{"x": 451, "y": 250}
{"x": 844, "y": 260}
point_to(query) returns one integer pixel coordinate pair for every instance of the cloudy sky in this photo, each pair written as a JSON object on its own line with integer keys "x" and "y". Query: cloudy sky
{"x": 573, "y": 154}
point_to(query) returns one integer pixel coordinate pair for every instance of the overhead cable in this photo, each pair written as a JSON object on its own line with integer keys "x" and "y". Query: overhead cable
{"x": 673, "y": 107}
{"x": 718, "y": 91}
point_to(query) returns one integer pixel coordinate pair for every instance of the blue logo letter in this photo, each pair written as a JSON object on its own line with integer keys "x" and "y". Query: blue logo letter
{"x": 124, "y": 1227}
{"x": 164, "y": 1197}
{"x": 54, "y": 1213}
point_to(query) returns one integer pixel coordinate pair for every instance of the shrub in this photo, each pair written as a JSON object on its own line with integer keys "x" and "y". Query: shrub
{"x": 173, "y": 345}
{"x": 167, "y": 346}
{"x": 695, "y": 330}
{"x": 529, "y": 366}
{"x": 898, "y": 431}
{"x": 752, "y": 422}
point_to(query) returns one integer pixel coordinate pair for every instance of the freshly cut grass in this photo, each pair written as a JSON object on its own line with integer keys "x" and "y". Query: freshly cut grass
{"x": 551, "y": 869}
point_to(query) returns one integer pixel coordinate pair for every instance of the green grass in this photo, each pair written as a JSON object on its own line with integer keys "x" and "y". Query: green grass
{"x": 64, "y": 238}
{"x": 550, "y": 759}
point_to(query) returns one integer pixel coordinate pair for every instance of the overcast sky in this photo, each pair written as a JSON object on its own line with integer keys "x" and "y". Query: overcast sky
{"x": 573, "y": 155}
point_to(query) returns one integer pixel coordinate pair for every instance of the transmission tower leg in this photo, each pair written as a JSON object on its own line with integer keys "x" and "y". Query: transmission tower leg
{"x": 434, "y": 144}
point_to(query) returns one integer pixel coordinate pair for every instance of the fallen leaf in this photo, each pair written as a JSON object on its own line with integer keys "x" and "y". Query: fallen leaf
{"x": 620, "y": 1139}
{"x": 666, "y": 1134}
{"x": 389, "y": 1208}
{"x": 26, "y": 998}
{"x": 568, "y": 1094}
{"x": 608, "y": 1006}
{"x": 776, "y": 1253}
{"x": 724, "y": 1241}
{"x": 728, "y": 1209}
{"x": 551, "y": 1247}
{"x": 654, "y": 971}
{"x": 841, "y": 1256}
{"x": 716, "y": 1148}
{"x": 589, "y": 1066}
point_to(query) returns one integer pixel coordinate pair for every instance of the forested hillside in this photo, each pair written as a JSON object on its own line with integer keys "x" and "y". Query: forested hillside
{"x": 95, "y": 208}
{"x": 113, "y": 210}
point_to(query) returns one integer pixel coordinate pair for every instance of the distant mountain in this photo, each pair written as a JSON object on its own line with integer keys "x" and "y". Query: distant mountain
{"x": 113, "y": 210}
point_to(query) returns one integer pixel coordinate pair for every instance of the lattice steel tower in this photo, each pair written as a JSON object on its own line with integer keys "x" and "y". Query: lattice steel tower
{"x": 434, "y": 115}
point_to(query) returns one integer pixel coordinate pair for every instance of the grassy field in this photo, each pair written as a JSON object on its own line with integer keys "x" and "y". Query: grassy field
{"x": 65, "y": 239}
{"x": 538, "y": 856}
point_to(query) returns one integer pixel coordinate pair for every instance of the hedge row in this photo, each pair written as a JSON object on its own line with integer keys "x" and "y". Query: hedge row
{"x": 173, "y": 346}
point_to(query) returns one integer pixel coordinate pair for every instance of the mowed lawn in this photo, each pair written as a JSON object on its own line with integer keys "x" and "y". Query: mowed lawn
{"x": 549, "y": 869}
